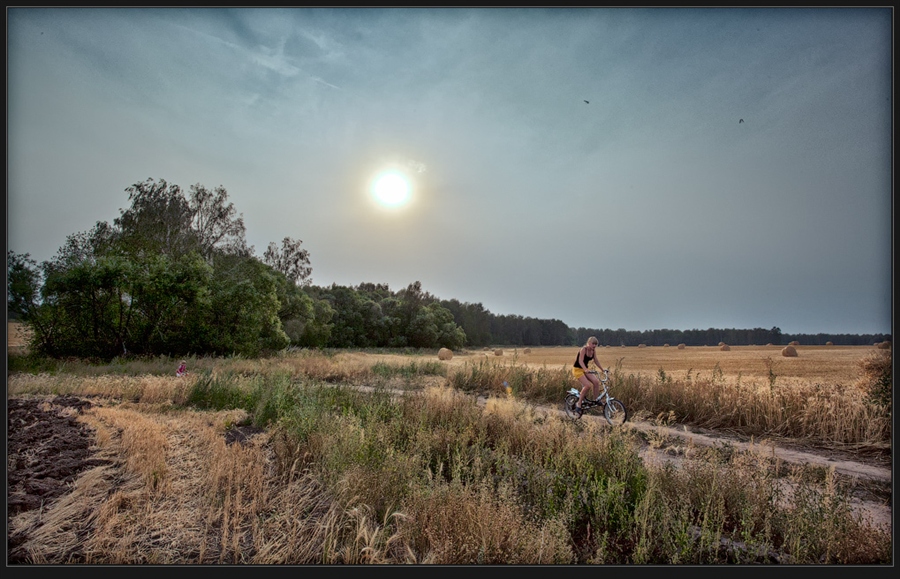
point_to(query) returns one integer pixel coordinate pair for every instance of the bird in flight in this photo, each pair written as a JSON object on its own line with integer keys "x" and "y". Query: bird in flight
{"x": 588, "y": 102}
{"x": 740, "y": 121}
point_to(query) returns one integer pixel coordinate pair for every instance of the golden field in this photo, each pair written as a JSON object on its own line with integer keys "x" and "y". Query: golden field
{"x": 813, "y": 364}
{"x": 826, "y": 365}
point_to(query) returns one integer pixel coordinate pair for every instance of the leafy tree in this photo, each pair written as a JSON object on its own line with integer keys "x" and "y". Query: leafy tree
{"x": 158, "y": 221}
{"x": 23, "y": 284}
{"x": 316, "y": 332}
{"x": 244, "y": 308}
{"x": 291, "y": 260}
{"x": 215, "y": 222}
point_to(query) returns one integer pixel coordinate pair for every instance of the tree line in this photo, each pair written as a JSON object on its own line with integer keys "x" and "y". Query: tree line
{"x": 173, "y": 275}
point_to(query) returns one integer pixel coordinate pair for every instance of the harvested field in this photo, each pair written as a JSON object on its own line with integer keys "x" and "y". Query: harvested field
{"x": 822, "y": 364}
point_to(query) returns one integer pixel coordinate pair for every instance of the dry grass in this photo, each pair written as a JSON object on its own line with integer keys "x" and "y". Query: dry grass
{"x": 437, "y": 480}
{"x": 822, "y": 364}
{"x": 17, "y": 336}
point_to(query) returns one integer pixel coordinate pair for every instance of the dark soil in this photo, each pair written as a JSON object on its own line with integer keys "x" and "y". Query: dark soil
{"x": 46, "y": 450}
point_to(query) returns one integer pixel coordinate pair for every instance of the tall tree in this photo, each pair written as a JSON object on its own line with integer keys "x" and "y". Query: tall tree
{"x": 215, "y": 222}
{"x": 290, "y": 259}
{"x": 158, "y": 221}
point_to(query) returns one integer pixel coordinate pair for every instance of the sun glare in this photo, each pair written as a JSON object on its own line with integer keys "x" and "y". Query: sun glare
{"x": 391, "y": 189}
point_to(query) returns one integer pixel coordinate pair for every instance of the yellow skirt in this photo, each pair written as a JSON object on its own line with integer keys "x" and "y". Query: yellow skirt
{"x": 577, "y": 372}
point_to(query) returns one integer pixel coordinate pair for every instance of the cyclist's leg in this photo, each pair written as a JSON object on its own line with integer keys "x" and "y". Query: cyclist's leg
{"x": 595, "y": 384}
{"x": 585, "y": 388}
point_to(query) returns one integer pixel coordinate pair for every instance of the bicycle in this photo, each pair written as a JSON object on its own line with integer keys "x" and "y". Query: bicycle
{"x": 613, "y": 410}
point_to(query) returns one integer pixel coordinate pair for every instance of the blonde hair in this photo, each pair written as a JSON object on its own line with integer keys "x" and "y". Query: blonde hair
{"x": 592, "y": 340}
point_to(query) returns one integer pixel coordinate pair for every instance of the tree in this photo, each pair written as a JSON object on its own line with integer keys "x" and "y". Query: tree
{"x": 215, "y": 222}
{"x": 23, "y": 283}
{"x": 158, "y": 221}
{"x": 244, "y": 308}
{"x": 291, "y": 260}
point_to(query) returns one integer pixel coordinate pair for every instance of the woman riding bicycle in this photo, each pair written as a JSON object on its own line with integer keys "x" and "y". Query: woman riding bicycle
{"x": 580, "y": 371}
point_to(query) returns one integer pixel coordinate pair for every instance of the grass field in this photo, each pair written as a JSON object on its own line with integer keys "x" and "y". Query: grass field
{"x": 338, "y": 474}
{"x": 821, "y": 364}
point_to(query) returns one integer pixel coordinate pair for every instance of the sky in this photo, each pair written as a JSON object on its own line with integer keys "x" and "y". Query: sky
{"x": 683, "y": 168}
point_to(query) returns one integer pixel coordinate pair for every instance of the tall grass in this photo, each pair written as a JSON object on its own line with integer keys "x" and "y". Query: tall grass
{"x": 824, "y": 414}
{"x": 856, "y": 413}
{"x": 431, "y": 477}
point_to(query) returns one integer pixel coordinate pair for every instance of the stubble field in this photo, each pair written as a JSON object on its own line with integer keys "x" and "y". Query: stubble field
{"x": 813, "y": 364}
{"x": 288, "y": 460}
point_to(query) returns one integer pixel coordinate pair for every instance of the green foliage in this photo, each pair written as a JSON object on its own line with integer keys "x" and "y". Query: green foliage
{"x": 371, "y": 316}
{"x": 218, "y": 392}
{"x": 23, "y": 279}
{"x": 244, "y": 308}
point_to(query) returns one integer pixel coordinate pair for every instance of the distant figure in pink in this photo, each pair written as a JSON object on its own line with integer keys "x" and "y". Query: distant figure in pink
{"x": 182, "y": 369}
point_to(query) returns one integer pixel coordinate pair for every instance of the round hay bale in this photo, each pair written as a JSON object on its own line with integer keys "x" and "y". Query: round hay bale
{"x": 498, "y": 352}
{"x": 681, "y": 346}
{"x": 526, "y": 351}
{"x": 642, "y": 345}
{"x": 789, "y": 352}
{"x": 445, "y": 354}
{"x": 829, "y": 343}
{"x": 794, "y": 343}
{"x": 725, "y": 347}
{"x": 665, "y": 345}
{"x": 486, "y": 349}
{"x": 721, "y": 344}
{"x": 769, "y": 344}
{"x": 885, "y": 345}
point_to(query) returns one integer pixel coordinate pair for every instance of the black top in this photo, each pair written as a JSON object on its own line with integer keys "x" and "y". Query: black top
{"x": 587, "y": 360}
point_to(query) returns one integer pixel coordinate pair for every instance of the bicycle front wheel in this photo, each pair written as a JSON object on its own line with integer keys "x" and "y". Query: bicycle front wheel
{"x": 615, "y": 412}
{"x": 569, "y": 406}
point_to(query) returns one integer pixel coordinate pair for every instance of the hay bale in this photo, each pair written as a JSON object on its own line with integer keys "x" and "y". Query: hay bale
{"x": 794, "y": 343}
{"x": 445, "y": 354}
{"x": 486, "y": 349}
{"x": 789, "y": 351}
{"x": 829, "y": 343}
{"x": 642, "y": 345}
{"x": 681, "y": 346}
{"x": 665, "y": 345}
{"x": 721, "y": 344}
{"x": 526, "y": 351}
{"x": 885, "y": 345}
{"x": 724, "y": 347}
{"x": 769, "y": 344}
{"x": 498, "y": 352}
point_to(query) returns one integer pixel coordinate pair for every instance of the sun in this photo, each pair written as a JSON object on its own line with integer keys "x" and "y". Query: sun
{"x": 391, "y": 189}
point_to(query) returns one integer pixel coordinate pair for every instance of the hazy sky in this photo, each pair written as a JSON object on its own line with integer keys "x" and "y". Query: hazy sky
{"x": 652, "y": 206}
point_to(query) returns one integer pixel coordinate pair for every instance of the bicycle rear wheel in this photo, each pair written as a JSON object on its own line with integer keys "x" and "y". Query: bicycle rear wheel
{"x": 615, "y": 412}
{"x": 569, "y": 406}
